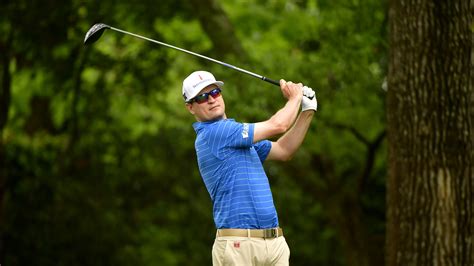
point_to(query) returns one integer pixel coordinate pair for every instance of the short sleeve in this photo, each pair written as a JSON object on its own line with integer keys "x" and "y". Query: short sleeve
{"x": 263, "y": 149}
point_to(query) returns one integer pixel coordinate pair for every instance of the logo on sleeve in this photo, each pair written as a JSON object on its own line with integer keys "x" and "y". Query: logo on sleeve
{"x": 245, "y": 131}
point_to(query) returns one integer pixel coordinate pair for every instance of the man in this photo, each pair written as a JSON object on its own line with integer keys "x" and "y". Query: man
{"x": 230, "y": 157}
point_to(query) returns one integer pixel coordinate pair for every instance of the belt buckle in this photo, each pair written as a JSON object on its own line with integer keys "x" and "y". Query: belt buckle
{"x": 270, "y": 233}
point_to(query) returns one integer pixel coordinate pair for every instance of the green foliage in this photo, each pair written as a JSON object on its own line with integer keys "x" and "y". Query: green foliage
{"x": 114, "y": 179}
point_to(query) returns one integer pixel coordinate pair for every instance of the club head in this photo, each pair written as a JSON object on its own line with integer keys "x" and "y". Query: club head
{"x": 95, "y": 32}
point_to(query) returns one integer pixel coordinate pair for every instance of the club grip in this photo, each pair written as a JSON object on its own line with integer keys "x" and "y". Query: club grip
{"x": 271, "y": 81}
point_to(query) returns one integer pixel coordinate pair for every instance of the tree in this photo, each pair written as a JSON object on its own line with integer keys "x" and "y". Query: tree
{"x": 430, "y": 133}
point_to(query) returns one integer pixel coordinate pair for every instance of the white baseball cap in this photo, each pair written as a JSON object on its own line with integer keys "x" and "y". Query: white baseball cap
{"x": 197, "y": 81}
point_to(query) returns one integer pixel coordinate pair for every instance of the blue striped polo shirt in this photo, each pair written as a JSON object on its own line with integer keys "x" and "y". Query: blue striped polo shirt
{"x": 231, "y": 168}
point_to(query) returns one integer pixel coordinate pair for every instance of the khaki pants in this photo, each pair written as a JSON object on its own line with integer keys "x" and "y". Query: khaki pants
{"x": 246, "y": 251}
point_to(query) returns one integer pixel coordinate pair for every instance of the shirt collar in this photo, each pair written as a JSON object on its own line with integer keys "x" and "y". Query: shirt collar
{"x": 198, "y": 126}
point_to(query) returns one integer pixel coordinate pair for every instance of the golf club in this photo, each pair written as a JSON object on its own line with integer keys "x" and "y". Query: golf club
{"x": 98, "y": 29}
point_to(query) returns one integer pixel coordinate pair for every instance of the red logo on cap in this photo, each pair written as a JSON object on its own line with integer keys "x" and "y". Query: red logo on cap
{"x": 200, "y": 77}
{"x": 236, "y": 244}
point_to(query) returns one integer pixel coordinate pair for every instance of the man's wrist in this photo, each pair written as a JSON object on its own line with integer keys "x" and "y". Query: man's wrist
{"x": 309, "y": 112}
{"x": 295, "y": 99}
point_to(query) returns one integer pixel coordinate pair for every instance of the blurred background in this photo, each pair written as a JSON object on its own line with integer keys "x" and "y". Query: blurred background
{"x": 97, "y": 149}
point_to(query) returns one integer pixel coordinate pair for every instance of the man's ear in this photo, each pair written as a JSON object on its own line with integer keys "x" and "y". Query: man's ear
{"x": 189, "y": 106}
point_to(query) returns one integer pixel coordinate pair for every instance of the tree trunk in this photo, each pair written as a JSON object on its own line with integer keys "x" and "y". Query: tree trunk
{"x": 430, "y": 125}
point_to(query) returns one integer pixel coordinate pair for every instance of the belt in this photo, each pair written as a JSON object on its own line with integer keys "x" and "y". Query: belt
{"x": 260, "y": 233}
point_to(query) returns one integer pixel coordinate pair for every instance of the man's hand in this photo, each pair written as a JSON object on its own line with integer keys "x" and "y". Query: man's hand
{"x": 290, "y": 90}
{"x": 309, "y": 100}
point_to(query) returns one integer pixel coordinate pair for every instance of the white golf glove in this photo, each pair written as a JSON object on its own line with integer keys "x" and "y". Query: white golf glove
{"x": 309, "y": 100}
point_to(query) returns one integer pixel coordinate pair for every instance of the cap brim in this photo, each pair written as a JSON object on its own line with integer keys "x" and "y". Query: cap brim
{"x": 218, "y": 83}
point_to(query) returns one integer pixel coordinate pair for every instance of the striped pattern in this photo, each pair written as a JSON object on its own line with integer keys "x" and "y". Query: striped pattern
{"x": 231, "y": 168}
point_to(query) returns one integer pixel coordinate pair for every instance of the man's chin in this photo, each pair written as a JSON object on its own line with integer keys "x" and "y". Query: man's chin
{"x": 217, "y": 117}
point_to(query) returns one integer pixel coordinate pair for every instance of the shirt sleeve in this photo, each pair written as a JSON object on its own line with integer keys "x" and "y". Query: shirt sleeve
{"x": 263, "y": 149}
{"x": 227, "y": 135}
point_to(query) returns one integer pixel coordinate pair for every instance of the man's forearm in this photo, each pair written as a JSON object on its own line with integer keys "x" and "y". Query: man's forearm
{"x": 279, "y": 123}
{"x": 286, "y": 116}
{"x": 293, "y": 138}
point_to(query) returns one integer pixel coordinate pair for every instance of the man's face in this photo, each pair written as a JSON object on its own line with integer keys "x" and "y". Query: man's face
{"x": 212, "y": 109}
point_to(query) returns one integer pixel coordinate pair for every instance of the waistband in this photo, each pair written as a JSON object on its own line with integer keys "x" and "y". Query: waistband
{"x": 260, "y": 233}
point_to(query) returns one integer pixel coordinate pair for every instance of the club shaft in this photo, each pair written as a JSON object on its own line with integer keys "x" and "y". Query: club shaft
{"x": 201, "y": 56}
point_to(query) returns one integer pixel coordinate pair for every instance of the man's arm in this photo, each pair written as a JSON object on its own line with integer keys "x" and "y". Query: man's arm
{"x": 282, "y": 120}
{"x": 284, "y": 148}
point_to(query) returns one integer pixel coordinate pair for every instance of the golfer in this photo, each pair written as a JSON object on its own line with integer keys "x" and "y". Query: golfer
{"x": 230, "y": 156}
